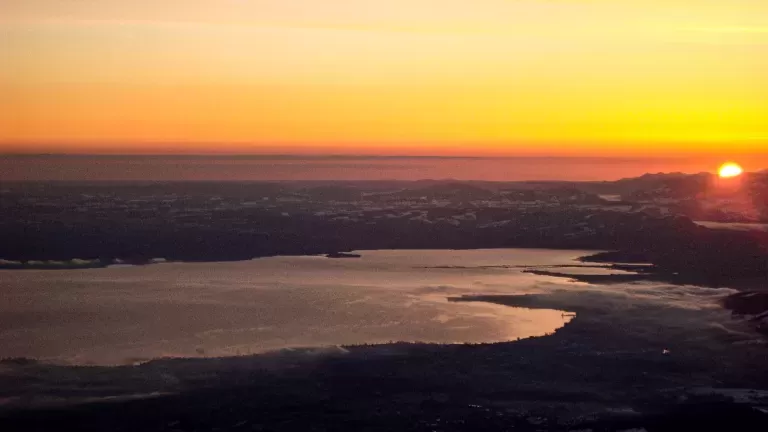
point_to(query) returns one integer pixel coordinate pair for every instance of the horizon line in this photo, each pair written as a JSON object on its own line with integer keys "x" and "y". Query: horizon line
{"x": 381, "y": 156}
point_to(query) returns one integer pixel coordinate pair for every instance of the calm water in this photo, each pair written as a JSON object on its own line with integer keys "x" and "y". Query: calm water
{"x": 129, "y": 314}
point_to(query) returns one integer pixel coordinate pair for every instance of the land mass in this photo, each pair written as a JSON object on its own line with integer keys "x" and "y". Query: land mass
{"x": 651, "y": 219}
{"x": 616, "y": 366}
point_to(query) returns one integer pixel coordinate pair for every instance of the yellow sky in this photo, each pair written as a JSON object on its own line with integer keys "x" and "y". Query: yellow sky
{"x": 420, "y": 76}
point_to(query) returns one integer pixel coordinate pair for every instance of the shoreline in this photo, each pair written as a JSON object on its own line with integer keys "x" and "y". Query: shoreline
{"x": 610, "y": 366}
{"x": 100, "y": 263}
{"x": 613, "y": 259}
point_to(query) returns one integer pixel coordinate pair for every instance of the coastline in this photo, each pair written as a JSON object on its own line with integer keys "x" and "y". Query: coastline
{"x": 99, "y": 263}
{"x": 614, "y": 364}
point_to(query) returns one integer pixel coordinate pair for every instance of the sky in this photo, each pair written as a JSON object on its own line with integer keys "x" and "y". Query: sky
{"x": 418, "y": 77}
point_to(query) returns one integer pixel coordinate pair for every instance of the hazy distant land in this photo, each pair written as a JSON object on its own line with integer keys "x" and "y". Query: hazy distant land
{"x": 297, "y": 167}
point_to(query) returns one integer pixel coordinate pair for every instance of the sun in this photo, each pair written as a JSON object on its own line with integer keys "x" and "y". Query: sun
{"x": 730, "y": 169}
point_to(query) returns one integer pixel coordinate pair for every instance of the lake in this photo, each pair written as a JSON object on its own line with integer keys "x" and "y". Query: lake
{"x": 129, "y": 314}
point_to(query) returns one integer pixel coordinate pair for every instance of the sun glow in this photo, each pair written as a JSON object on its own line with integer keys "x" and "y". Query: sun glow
{"x": 730, "y": 169}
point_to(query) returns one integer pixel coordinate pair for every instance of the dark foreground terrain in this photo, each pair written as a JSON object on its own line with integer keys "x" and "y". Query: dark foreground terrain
{"x": 588, "y": 376}
{"x": 618, "y": 365}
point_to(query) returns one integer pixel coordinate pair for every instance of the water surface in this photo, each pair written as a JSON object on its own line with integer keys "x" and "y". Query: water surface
{"x": 128, "y": 314}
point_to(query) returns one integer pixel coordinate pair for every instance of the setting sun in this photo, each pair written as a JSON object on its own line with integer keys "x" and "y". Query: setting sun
{"x": 730, "y": 169}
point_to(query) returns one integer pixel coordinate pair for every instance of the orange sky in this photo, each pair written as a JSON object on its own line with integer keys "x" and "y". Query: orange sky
{"x": 569, "y": 77}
